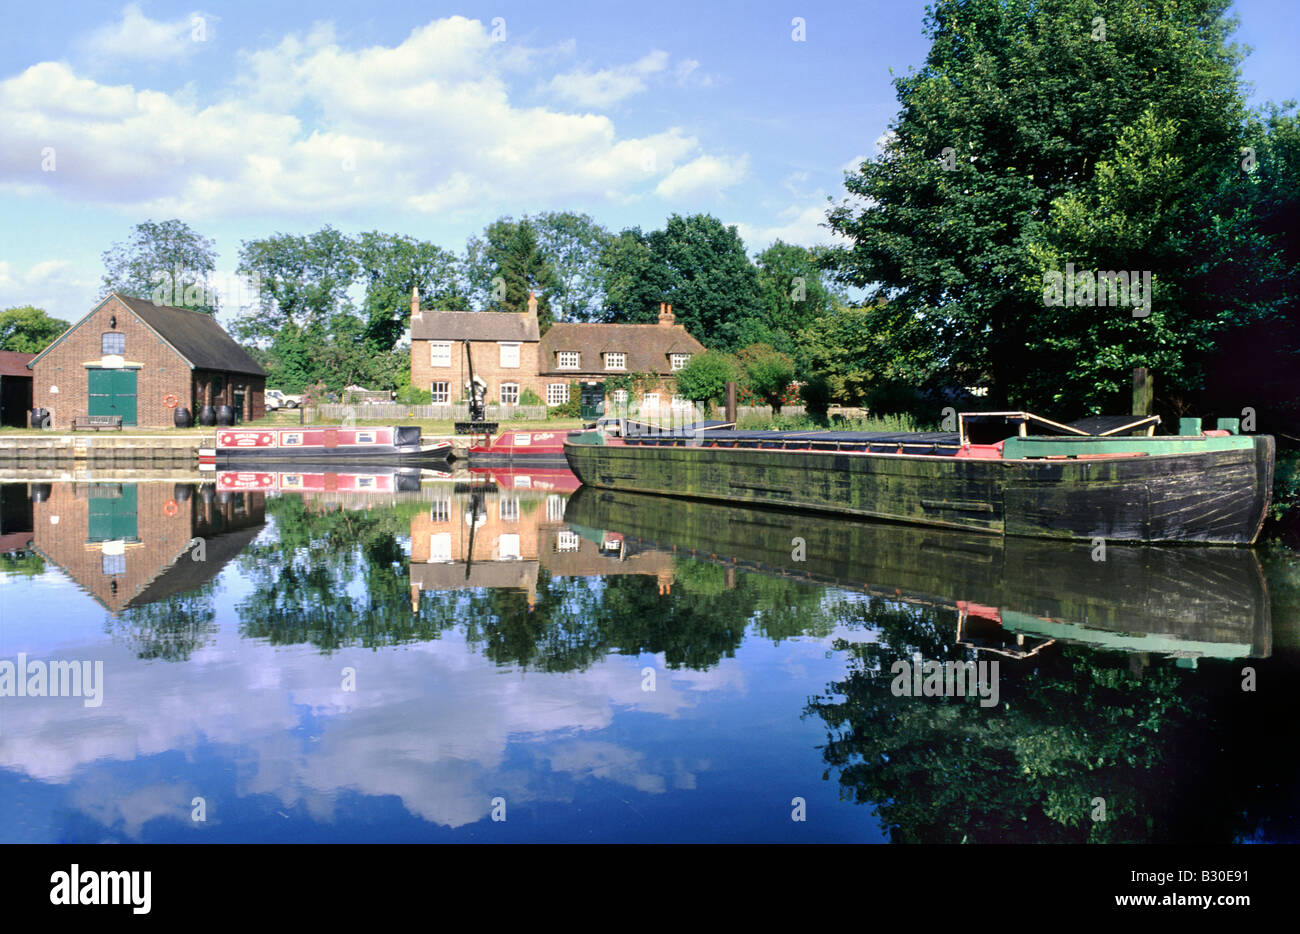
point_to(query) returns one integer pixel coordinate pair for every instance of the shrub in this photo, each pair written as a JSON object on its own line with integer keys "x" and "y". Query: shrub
{"x": 570, "y": 409}
{"x": 705, "y": 377}
{"x": 528, "y": 397}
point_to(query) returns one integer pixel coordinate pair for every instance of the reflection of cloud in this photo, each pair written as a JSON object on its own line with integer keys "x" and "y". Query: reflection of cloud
{"x": 100, "y": 800}
{"x": 428, "y": 723}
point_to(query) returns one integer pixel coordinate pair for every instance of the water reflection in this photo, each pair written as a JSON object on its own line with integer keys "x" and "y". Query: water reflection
{"x": 500, "y": 626}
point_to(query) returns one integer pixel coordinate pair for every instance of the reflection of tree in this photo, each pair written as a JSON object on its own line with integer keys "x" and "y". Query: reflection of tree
{"x": 1070, "y": 727}
{"x": 170, "y": 629}
{"x": 26, "y": 563}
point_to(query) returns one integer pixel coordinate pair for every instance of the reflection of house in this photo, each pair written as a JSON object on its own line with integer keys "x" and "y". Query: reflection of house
{"x": 510, "y": 356}
{"x": 128, "y": 544}
{"x": 15, "y": 518}
{"x": 502, "y": 538}
{"x": 133, "y": 358}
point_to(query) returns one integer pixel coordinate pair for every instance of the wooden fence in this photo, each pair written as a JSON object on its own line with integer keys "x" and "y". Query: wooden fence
{"x": 395, "y": 412}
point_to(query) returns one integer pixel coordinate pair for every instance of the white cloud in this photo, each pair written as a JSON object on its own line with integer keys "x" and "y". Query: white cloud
{"x": 610, "y": 85}
{"x": 703, "y": 177}
{"x": 136, "y": 38}
{"x": 798, "y": 224}
{"x": 59, "y": 286}
{"x": 427, "y": 124}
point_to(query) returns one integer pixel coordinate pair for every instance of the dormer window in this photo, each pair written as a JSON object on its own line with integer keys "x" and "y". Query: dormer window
{"x": 616, "y": 361}
{"x": 113, "y": 344}
{"x": 567, "y": 359}
{"x": 679, "y": 360}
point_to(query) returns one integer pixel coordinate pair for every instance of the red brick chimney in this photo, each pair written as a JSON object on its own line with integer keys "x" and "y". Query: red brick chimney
{"x": 415, "y": 301}
{"x": 666, "y": 318}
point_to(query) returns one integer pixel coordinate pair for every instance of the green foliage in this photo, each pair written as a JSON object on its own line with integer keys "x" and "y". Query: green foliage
{"x": 164, "y": 260}
{"x": 572, "y": 245}
{"x": 390, "y": 265}
{"x": 413, "y": 395}
{"x": 528, "y": 397}
{"x": 506, "y": 264}
{"x": 304, "y": 281}
{"x": 1022, "y": 130}
{"x": 793, "y": 295}
{"x": 767, "y": 372}
{"x": 27, "y": 329}
{"x": 705, "y": 376}
{"x": 23, "y": 563}
{"x": 570, "y": 409}
{"x": 1286, "y": 488}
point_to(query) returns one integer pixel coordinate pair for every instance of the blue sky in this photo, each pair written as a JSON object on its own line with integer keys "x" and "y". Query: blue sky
{"x": 432, "y": 120}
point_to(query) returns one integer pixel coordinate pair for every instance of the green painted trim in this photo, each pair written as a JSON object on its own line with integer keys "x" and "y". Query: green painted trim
{"x": 1039, "y": 446}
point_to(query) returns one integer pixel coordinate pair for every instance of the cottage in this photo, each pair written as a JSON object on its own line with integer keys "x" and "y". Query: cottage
{"x": 142, "y": 361}
{"x": 510, "y": 357}
{"x": 15, "y": 388}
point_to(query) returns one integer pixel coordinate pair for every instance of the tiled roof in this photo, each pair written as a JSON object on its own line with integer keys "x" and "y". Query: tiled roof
{"x": 196, "y": 336}
{"x": 647, "y": 346}
{"x": 473, "y": 326}
{"x": 13, "y": 363}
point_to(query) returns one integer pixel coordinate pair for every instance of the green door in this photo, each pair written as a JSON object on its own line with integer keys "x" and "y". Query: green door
{"x": 113, "y": 515}
{"x": 591, "y": 401}
{"x": 112, "y": 392}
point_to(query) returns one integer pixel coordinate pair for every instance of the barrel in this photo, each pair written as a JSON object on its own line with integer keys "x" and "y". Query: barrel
{"x": 181, "y": 417}
{"x": 41, "y": 418}
{"x": 41, "y": 492}
{"x": 207, "y": 416}
{"x": 225, "y": 416}
{"x": 181, "y": 492}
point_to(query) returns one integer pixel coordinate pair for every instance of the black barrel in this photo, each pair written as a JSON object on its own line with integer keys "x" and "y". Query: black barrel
{"x": 181, "y": 417}
{"x": 408, "y": 481}
{"x": 41, "y": 492}
{"x": 41, "y": 418}
{"x": 207, "y": 416}
{"x": 225, "y": 416}
{"x": 208, "y": 492}
{"x": 181, "y": 492}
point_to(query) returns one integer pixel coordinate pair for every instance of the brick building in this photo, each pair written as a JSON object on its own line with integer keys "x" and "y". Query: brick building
{"x": 132, "y": 544}
{"x": 132, "y": 358}
{"x": 15, "y": 388}
{"x": 510, "y": 356}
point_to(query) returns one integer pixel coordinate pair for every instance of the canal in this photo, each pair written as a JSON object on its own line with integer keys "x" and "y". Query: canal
{"x": 506, "y": 657}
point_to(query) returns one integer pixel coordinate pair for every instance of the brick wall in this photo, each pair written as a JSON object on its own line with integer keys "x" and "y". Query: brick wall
{"x": 487, "y": 367}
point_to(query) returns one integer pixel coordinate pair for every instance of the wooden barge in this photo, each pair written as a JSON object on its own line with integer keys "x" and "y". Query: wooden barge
{"x": 1011, "y": 596}
{"x": 395, "y": 446}
{"x": 1104, "y": 478}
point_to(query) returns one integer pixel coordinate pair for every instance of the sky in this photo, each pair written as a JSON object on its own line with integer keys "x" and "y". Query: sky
{"x": 432, "y": 119}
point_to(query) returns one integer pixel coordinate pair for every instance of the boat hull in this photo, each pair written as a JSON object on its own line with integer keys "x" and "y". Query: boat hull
{"x": 333, "y": 458}
{"x": 1209, "y": 496}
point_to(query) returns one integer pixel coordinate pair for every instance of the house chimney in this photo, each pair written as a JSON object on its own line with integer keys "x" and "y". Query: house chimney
{"x": 415, "y": 301}
{"x": 666, "y": 315}
{"x": 532, "y": 304}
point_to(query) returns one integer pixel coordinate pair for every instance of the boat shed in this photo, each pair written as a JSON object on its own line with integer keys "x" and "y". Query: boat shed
{"x": 15, "y": 388}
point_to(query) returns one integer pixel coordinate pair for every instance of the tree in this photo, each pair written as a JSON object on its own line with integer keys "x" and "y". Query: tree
{"x": 28, "y": 329}
{"x": 767, "y": 372}
{"x": 793, "y": 295}
{"x": 705, "y": 376}
{"x": 390, "y": 265}
{"x": 166, "y": 261}
{"x": 634, "y": 279}
{"x": 573, "y": 244}
{"x": 506, "y": 264}
{"x": 1003, "y": 132}
{"x": 304, "y": 280}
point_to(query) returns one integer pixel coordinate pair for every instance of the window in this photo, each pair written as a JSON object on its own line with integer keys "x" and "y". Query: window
{"x": 440, "y": 546}
{"x": 509, "y": 356}
{"x": 680, "y": 403}
{"x": 620, "y": 397}
{"x": 568, "y": 359}
{"x": 508, "y": 546}
{"x": 440, "y": 510}
{"x": 616, "y": 361}
{"x": 114, "y": 564}
{"x": 555, "y": 508}
{"x": 557, "y": 393}
{"x": 113, "y": 343}
{"x": 509, "y": 508}
{"x": 650, "y": 400}
{"x": 509, "y": 393}
{"x": 440, "y": 353}
{"x": 441, "y": 392}
{"x": 679, "y": 360}
{"x": 567, "y": 541}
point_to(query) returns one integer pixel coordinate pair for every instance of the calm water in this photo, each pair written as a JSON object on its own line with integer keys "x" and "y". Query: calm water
{"x": 348, "y": 665}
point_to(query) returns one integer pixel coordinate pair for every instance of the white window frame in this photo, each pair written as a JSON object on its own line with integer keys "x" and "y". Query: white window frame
{"x": 508, "y": 546}
{"x": 568, "y": 360}
{"x": 508, "y": 508}
{"x": 620, "y": 355}
{"x": 445, "y": 392}
{"x": 440, "y": 511}
{"x": 619, "y": 396}
{"x": 434, "y": 348}
{"x": 509, "y": 351}
{"x": 501, "y": 393}
{"x": 650, "y": 400}
{"x": 679, "y": 360}
{"x": 557, "y": 393}
{"x": 566, "y": 540}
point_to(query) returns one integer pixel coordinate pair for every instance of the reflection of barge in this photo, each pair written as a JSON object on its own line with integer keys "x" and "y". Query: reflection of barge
{"x": 1013, "y": 594}
{"x": 340, "y": 481}
{"x": 1106, "y": 478}
{"x": 388, "y": 446}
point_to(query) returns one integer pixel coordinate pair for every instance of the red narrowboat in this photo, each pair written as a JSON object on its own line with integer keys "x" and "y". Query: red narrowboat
{"x": 389, "y": 446}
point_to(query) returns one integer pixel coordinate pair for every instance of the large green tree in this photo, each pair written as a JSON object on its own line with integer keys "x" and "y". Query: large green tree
{"x": 304, "y": 280}
{"x": 572, "y": 244}
{"x": 794, "y": 294}
{"x": 28, "y": 329}
{"x": 1027, "y": 118}
{"x": 391, "y": 265}
{"x": 506, "y": 264}
{"x": 167, "y": 261}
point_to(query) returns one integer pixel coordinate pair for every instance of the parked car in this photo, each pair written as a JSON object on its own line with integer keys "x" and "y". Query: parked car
{"x": 275, "y": 399}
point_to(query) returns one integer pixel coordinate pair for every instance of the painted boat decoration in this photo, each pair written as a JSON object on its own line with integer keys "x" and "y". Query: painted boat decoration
{"x": 1010, "y": 596}
{"x": 384, "y": 446}
{"x": 1104, "y": 478}
{"x": 547, "y": 479}
{"x": 392, "y": 481}
{"x": 519, "y": 447}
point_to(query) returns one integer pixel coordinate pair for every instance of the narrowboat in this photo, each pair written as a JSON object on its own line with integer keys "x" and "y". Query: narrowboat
{"x": 1009, "y": 596}
{"x": 522, "y": 448}
{"x": 1002, "y": 473}
{"x": 395, "y": 446}
{"x": 402, "y": 480}
{"x": 547, "y": 479}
